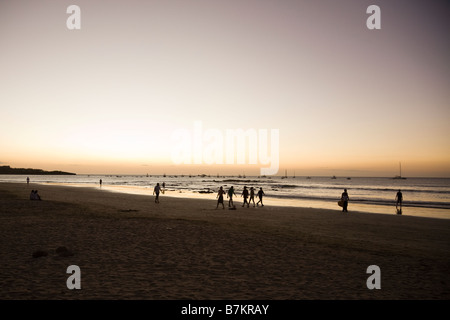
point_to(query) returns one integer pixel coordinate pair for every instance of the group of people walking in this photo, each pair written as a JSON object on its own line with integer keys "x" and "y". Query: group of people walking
{"x": 247, "y": 194}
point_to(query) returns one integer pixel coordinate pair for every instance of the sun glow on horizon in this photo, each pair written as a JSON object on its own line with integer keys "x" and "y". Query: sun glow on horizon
{"x": 107, "y": 98}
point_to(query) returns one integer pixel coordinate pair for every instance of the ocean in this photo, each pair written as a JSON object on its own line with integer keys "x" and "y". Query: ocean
{"x": 425, "y": 197}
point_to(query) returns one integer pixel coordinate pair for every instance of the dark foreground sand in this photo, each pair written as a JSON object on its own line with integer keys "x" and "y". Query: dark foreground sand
{"x": 128, "y": 247}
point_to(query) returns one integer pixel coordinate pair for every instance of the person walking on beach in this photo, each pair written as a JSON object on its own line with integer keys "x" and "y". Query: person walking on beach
{"x": 399, "y": 200}
{"x": 220, "y": 197}
{"x": 260, "y": 196}
{"x": 230, "y": 196}
{"x": 156, "y": 191}
{"x": 245, "y": 195}
{"x": 344, "y": 199}
{"x": 252, "y": 196}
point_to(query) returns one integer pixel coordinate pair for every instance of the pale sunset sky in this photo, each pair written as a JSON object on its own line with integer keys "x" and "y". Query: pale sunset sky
{"x": 106, "y": 99}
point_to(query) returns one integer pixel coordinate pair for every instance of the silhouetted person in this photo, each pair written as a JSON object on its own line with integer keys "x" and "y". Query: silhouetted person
{"x": 245, "y": 195}
{"x": 28, "y": 180}
{"x": 34, "y": 195}
{"x": 399, "y": 200}
{"x": 163, "y": 187}
{"x": 252, "y": 196}
{"x": 220, "y": 197}
{"x": 101, "y": 183}
{"x": 344, "y": 198}
{"x": 260, "y": 196}
{"x": 230, "y": 195}
{"x": 156, "y": 191}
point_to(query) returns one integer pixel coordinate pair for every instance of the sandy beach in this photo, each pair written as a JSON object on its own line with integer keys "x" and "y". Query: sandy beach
{"x": 128, "y": 247}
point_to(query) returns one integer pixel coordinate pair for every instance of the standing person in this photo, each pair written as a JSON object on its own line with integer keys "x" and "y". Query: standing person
{"x": 245, "y": 195}
{"x": 220, "y": 197}
{"x": 230, "y": 195}
{"x": 260, "y": 196}
{"x": 100, "y": 183}
{"x": 156, "y": 191}
{"x": 252, "y": 196}
{"x": 28, "y": 181}
{"x": 399, "y": 200}
{"x": 163, "y": 187}
{"x": 344, "y": 198}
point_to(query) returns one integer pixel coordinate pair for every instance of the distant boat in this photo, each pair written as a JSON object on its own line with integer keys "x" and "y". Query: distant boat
{"x": 285, "y": 175}
{"x": 333, "y": 177}
{"x": 400, "y": 175}
{"x": 308, "y": 177}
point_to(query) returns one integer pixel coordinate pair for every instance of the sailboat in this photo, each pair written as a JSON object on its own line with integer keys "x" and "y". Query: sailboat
{"x": 285, "y": 175}
{"x": 399, "y": 176}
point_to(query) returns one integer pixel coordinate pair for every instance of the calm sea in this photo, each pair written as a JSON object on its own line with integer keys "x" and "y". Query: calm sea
{"x": 426, "y": 197}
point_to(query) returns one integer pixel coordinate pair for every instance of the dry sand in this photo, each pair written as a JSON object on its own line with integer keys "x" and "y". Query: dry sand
{"x": 128, "y": 247}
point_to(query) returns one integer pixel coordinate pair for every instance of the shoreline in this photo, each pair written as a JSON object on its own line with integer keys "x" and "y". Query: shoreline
{"x": 417, "y": 211}
{"x": 129, "y": 247}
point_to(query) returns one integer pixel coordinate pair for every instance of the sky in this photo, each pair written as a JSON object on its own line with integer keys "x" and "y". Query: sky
{"x": 143, "y": 80}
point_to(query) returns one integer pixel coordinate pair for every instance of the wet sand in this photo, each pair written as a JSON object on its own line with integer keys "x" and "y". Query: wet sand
{"x": 128, "y": 247}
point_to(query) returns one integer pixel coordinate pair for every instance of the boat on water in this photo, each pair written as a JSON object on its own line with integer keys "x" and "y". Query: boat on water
{"x": 400, "y": 175}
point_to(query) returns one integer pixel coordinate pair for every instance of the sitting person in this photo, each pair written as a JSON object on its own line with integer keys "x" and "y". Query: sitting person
{"x": 34, "y": 195}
